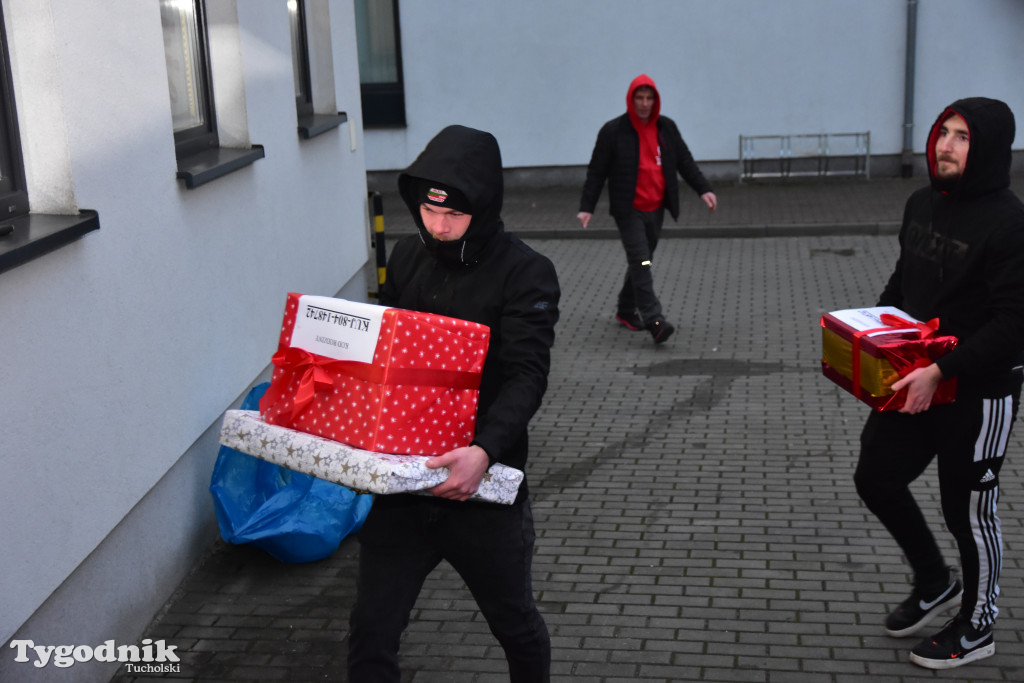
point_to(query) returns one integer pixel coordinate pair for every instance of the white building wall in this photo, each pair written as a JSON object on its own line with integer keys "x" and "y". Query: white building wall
{"x": 966, "y": 50}
{"x": 543, "y": 76}
{"x": 122, "y": 350}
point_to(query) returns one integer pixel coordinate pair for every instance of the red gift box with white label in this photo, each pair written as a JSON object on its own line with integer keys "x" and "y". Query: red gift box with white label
{"x": 381, "y": 379}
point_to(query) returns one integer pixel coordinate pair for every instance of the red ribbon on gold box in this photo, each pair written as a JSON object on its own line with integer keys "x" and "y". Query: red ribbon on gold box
{"x": 877, "y": 346}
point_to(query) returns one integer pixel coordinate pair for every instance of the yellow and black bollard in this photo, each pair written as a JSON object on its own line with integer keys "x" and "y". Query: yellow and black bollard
{"x": 377, "y": 239}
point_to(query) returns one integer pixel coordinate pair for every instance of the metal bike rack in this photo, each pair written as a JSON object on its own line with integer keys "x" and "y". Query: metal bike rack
{"x": 816, "y": 154}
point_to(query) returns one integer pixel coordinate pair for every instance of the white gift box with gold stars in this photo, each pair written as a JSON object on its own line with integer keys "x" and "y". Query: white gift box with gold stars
{"x": 363, "y": 471}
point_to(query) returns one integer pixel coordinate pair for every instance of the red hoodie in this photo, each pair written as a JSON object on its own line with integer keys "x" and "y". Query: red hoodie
{"x": 650, "y": 179}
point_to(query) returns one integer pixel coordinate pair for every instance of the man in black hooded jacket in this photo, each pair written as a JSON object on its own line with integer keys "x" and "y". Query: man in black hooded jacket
{"x": 464, "y": 265}
{"x": 961, "y": 261}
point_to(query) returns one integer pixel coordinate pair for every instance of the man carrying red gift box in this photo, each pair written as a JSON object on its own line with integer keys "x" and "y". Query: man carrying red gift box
{"x": 961, "y": 261}
{"x": 462, "y": 264}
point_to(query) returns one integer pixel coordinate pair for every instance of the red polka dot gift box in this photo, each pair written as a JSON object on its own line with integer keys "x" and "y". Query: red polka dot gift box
{"x": 381, "y": 379}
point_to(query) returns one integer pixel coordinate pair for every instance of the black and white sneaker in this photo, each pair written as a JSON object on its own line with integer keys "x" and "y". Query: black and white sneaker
{"x": 958, "y": 643}
{"x": 921, "y": 607}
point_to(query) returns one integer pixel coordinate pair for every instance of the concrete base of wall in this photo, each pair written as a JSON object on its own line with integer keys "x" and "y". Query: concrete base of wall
{"x": 126, "y": 581}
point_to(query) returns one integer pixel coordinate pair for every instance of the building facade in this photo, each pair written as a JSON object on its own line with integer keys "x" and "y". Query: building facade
{"x": 181, "y": 165}
{"x": 543, "y": 76}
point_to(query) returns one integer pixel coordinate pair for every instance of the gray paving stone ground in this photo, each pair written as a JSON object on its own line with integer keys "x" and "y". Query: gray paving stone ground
{"x": 694, "y": 505}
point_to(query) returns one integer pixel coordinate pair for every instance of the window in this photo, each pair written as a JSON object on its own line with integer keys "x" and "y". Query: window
{"x": 300, "y": 58}
{"x": 380, "y": 62}
{"x": 25, "y": 236}
{"x": 315, "y": 103}
{"x": 13, "y": 197}
{"x": 189, "y": 81}
{"x": 188, "y": 70}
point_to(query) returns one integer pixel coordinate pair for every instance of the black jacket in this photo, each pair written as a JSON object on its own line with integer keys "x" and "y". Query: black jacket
{"x": 962, "y": 255}
{"x": 616, "y": 157}
{"x": 489, "y": 277}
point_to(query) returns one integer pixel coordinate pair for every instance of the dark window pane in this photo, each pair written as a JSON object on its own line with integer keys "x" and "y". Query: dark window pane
{"x": 380, "y": 62}
{"x": 13, "y": 196}
{"x": 300, "y": 57}
{"x": 378, "y": 49}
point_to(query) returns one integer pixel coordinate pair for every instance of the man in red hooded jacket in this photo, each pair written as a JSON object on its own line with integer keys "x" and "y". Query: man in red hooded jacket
{"x": 639, "y": 154}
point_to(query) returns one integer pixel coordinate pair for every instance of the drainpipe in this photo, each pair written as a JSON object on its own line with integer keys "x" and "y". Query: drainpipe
{"x": 907, "y": 157}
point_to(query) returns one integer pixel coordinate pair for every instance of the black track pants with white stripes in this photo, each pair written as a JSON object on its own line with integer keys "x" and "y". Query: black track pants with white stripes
{"x": 969, "y": 439}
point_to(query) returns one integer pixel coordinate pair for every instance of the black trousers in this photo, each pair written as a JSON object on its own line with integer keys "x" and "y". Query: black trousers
{"x": 969, "y": 440}
{"x": 491, "y": 547}
{"x": 639, "y": 232}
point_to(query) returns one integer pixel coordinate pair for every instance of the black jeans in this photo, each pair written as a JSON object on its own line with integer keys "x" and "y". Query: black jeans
{"x": 969, "y": 439}
{"x": 491, "y": 547}
{"x": 639, "y": 232}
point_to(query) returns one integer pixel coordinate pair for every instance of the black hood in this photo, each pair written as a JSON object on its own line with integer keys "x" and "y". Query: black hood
{"x": 470, "y": 161}
{"x": 992, "y": 128}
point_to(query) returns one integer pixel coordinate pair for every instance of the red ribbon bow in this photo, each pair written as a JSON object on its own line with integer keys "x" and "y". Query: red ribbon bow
{"x": 314, "y": 375}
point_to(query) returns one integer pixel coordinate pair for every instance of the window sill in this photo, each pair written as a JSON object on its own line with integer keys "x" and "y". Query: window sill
{"x": 38, "y": 233}
{"x": 199, "y": 169}
{"x": 314, "y": 124}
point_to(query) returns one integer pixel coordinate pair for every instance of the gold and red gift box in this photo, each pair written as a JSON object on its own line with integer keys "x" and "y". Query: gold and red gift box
{"x": 381, "y": 379}
{"x": 866, "y": 350}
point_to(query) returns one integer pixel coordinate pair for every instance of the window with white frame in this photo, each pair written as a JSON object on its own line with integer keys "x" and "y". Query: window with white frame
{"x": 25, "y": 236}
{"x": 313, "y": 68}
{"x": 188, "y": 75}
{"x": 201, "y": 158}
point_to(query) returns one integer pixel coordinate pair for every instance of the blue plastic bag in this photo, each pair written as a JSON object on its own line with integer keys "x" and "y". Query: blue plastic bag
{"x": 293, "y": 516}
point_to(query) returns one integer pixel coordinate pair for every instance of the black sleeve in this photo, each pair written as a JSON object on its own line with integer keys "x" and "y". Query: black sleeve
{"x": 528, "y": 317}
{"x": 997, "y": 343}
{"x": 685, "y": 165}
{"x": 598, "y": 168}
{"x": 892, "y": 293}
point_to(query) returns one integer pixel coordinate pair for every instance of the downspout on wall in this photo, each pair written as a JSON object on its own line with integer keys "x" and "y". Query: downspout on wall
{"x": 907, "y": 157}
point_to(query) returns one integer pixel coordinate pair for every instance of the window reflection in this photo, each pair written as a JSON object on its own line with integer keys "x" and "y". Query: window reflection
{"x": 184, "y": 64}
{"x": 378, "y": 53}
{"x": 300, "y": 56}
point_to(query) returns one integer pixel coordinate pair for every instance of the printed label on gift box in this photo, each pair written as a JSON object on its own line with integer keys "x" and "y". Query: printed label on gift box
{"x": 871, "y": 318}
{"x": 336, "y": 328}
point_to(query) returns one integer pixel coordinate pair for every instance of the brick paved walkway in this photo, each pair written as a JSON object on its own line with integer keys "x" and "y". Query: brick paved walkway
{"x": 694, "y": 505}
